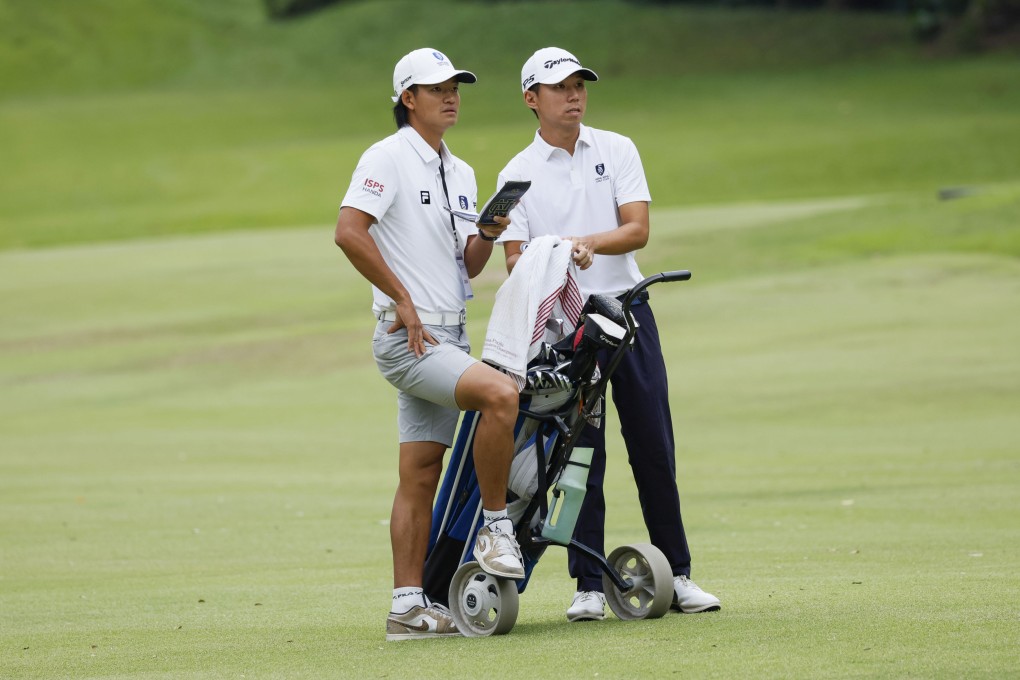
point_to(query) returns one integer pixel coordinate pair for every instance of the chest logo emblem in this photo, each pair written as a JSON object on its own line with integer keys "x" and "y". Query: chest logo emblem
{"x": 600, "y": 169}
{"x": 425, "y": 198}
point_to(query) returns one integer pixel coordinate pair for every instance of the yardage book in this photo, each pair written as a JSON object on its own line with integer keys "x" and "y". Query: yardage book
{"x": 500, "y": 203}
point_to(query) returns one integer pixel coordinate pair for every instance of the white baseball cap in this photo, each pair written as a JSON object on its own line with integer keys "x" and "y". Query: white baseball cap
{"x": 551, "y": 65}
{"x": 425, "y": 66}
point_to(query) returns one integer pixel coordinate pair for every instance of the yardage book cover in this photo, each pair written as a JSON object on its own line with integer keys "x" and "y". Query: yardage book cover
{"x": 500, "y": 203}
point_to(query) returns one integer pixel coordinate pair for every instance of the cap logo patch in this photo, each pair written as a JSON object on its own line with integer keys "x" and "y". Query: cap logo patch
{"x": 528, "y": 81}
{"x": 556, "y": 62}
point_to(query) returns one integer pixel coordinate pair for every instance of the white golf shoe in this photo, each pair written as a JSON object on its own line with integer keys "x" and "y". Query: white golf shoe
{"x": 690, "y": 599}
{"x": 588, "y": 605}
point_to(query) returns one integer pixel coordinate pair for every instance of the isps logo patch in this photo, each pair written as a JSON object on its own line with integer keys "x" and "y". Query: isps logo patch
{"x": 373, "y": 187}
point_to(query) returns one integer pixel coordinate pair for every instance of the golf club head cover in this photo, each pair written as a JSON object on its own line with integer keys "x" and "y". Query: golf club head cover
{"x": 606, "y": 305}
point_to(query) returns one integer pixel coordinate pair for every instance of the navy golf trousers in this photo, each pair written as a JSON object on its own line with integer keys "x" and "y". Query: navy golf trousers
{"x": 641, "y": 397}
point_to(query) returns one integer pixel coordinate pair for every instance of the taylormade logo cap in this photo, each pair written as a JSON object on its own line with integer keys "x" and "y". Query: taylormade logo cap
{"x": 425, "y": 67}
{"x": 551, "y": 65}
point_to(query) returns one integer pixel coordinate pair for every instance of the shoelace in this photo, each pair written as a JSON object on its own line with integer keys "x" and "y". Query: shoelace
{"x": 587, "y": 595}
{"x": 688, "y": 583}
{"x": 504, "y": 546}
{"x": 441, "y": 609}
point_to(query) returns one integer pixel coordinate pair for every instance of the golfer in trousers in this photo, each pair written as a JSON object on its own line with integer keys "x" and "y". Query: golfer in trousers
{"x": 588, "y": 186}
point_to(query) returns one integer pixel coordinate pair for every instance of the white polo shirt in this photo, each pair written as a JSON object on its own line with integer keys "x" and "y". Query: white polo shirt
{"x": 579, "y": 194}
{"x": 397, "y": 182}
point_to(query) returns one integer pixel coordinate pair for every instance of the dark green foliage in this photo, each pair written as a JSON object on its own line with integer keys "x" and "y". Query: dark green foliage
{"x": 971, "y": 24}
{"x": 973, "y": 21}
{"x": 287, "y": 9}
{"x": 992, "y": 17}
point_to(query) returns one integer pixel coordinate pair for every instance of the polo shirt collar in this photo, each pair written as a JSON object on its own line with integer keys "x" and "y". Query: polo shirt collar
{"x": 427, "y": 154}
{"x": 547, "y": 149}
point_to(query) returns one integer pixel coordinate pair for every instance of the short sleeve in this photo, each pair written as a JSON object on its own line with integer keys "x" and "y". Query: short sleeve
{"x": 373, "y": 184}
{"x": 631, "y": 184}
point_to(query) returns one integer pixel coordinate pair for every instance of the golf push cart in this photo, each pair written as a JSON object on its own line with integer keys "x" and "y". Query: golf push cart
{"x": 565, "y": 390}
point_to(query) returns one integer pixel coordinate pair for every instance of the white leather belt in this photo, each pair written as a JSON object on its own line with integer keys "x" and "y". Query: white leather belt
{"x": 432, "y": 318}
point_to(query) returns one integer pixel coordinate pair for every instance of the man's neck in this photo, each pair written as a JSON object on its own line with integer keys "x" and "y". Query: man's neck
{"x": 432, "y": 137}
{"x": 563, "y": 138}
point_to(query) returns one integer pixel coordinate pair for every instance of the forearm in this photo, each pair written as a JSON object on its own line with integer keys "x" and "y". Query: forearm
{"x": 478, "y": 249}
{"x": 476, "y": 255}
{"x": 624, "y": 239}
{"x": 631, "y": 235}
{"x": 363, "y": 253}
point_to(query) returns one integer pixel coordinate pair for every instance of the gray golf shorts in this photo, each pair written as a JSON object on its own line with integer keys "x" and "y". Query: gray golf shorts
{"x": 427, "y": 408}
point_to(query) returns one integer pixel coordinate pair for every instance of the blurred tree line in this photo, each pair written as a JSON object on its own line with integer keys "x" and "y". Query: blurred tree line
{"x": 975, "y": 22}
{"x": 972, "y": 20}
{"x": 288, "y": 9}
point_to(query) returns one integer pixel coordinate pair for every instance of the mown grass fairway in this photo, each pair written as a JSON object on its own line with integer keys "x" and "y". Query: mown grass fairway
{"x": 197, "y": 455}
{"x": 198, "y": 463}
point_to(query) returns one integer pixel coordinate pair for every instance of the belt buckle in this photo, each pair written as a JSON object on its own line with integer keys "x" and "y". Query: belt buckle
{"x": 462, "y": 317}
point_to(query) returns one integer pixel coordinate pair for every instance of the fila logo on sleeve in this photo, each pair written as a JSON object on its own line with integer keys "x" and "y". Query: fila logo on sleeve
{"x": 426, "y": 199}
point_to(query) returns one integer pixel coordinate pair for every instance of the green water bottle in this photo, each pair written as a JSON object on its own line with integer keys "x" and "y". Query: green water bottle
{"x": 568, "y": 494}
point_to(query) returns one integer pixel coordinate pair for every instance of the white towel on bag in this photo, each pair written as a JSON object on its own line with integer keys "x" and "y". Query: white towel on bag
{"x": 541, "y": 282}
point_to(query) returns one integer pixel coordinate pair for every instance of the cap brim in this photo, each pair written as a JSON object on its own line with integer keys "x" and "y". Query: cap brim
{"x": 443, "y": 76}
{"x": 461, "y": 76}
{"x": 560, "y": 76}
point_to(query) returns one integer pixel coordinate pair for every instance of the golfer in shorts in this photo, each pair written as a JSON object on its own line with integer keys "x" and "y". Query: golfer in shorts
{"x": 397, "y": 228}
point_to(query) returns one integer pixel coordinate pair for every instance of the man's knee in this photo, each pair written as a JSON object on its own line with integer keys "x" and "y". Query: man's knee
{"x": 486, "y": 390}
{"x": 421, "y": 461}
{"x": 501, "y": 397}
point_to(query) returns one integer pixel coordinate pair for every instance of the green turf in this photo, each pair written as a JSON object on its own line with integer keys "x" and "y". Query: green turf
{"x": 197, "y": 453}
{"x": 198, "y": 462}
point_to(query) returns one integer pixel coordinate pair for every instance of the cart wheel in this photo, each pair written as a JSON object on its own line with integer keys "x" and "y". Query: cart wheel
{"x": 652, "y": 591}
{"x": 481, "y": 603}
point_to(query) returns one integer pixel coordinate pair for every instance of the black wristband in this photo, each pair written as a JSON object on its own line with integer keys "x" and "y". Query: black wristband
{"x": 490, "y": 239}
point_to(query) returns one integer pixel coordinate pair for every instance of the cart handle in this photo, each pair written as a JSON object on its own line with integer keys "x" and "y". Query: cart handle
{"x": 678, "y": 275}
{"x": 617, "y": 356}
